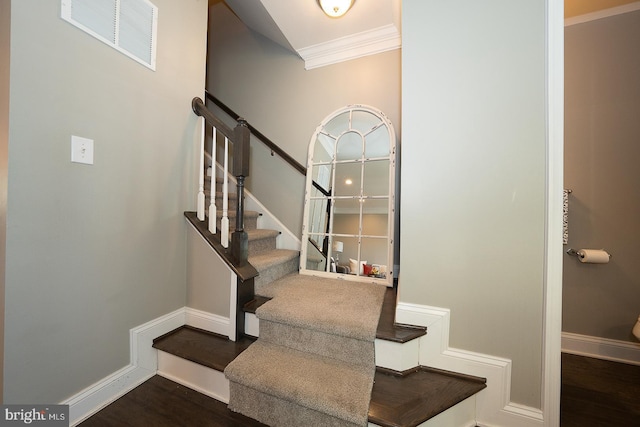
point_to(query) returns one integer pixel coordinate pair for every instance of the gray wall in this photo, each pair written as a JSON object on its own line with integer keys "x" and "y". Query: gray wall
{"x": 473, "y": 160}
{"x": 93, "y": 251}
{"x": 473, "y": 85}
{"x": 208, "y": 277}
{"x": 602, "y": 136}
{"x": 268, "y": 85}
{"x": 5, "y": 37}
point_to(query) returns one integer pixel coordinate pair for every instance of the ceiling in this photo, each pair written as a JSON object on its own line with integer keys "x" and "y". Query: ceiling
{"x": 370, "y": 26}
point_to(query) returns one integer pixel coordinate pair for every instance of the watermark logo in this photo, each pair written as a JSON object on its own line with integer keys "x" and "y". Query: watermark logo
{"x": 35, "y": 415}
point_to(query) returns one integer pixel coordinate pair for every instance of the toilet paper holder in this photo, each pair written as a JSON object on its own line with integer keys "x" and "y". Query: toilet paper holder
{"x": 573, "y": 252}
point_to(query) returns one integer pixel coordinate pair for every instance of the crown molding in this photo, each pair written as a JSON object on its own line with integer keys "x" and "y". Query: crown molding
{"x": 357, "y": 45}
{"x": 606, "y": 13}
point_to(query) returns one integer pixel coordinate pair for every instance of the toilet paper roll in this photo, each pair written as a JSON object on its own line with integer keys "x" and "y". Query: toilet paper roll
{"x": 593, "y": 256}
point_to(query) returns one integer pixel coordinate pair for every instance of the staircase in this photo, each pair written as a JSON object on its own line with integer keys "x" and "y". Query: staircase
{"x": 198, "y": 358}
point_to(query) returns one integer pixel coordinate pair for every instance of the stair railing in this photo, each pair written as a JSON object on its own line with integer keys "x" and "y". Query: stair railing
{"x": 239, "y": 138}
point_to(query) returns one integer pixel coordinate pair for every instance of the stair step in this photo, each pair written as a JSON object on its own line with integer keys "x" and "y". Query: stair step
{"x": 202, "y": 347}
{"x": 250, "y": 219}
{"x": 262, "y": 240}
{"x": 273, "y": 265}
{"x": 253, "y": 305}
{"x": 397, "y": 399}
{"x": 413, "y": 397}
{"x": 388, "y": 329}
{"x": 275, "y": 373}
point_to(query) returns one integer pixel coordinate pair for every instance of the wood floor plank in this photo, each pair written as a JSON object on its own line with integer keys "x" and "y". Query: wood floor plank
{"x": 160, "y": 402}
{"x": 599, "y": 392}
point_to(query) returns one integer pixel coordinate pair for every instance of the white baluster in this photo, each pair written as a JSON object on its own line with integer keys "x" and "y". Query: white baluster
{"x": 213, "y": 212}
{"x": 224, "y": 223}
{"x": 201, "y": 202}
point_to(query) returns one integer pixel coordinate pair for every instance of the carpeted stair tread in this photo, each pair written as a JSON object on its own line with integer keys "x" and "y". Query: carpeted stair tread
{"x": 315, "y": 350}
{"x": 261, "y": 233}
{"x": 344, "y": 309}
{"x": 250, "y": 219}
{"x": 318, "y": 342}
{"x": 312, "y": 381}
{"x": 231, "y": 213}
{"x": 277, "y": 256}
{"x": 262, "y": 240}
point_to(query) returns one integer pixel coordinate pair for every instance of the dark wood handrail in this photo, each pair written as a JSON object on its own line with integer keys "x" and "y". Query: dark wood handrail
{"x": 239, "y": 137}
{"x": 266, "y": 141}
{"x": 198, "y": 107}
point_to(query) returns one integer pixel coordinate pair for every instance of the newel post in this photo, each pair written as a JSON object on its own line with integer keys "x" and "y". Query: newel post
{"x": 239, "y": 238}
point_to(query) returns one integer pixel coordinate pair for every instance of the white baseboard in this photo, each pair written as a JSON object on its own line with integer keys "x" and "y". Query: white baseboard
{"x": 207, "y": 321}
{"x": 493, "y": 404}
{"x": 102, "y": 393}
{"x": 193, "y": 375}
{"x": 601, "y": 348}
{"x": 144, "y": 361}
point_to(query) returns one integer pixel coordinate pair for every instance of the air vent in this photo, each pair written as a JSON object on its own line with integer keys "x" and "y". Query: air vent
{"x": 128, "y": 26}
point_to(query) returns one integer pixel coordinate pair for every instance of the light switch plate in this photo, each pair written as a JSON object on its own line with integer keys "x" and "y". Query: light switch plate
{"x": 81, "y": 150}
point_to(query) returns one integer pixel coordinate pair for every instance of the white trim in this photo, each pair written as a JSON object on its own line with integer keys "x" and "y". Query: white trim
{"x": 601, "y": 348}
{"x": 397, "y": 356}
{"x": 357, "y": 45}
{"x": 197, "y": 377}
{"x": 494, "y": 406}
{"x": 553, "y": 254}
{"x": 605, "y": 13}
{"x": 208, "y": 321}
{"x": 251, "y": 325}
{"x": 462, "y": 414}
{"x": 143, "y": 366}
{"x": 105, "y": 391}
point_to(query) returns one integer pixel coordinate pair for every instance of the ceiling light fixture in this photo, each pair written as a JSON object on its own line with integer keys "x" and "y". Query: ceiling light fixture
{"x": 335, "y": 8}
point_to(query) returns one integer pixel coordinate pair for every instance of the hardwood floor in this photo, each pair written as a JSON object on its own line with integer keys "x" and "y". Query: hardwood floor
{"x": 595, "y": 393}
{"x": 162, "y": 403}
{"x": 599, "y": 393}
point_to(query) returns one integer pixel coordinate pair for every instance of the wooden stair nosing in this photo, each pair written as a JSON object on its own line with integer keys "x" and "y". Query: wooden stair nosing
{"x": 388, "y": 329}
{"x": 398, "y": 398}
{"x": 244, "y": 272}
{"x": 253, "y": 305}
{"x": 202, "y": 347}
{"x": 412, "y": 397}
